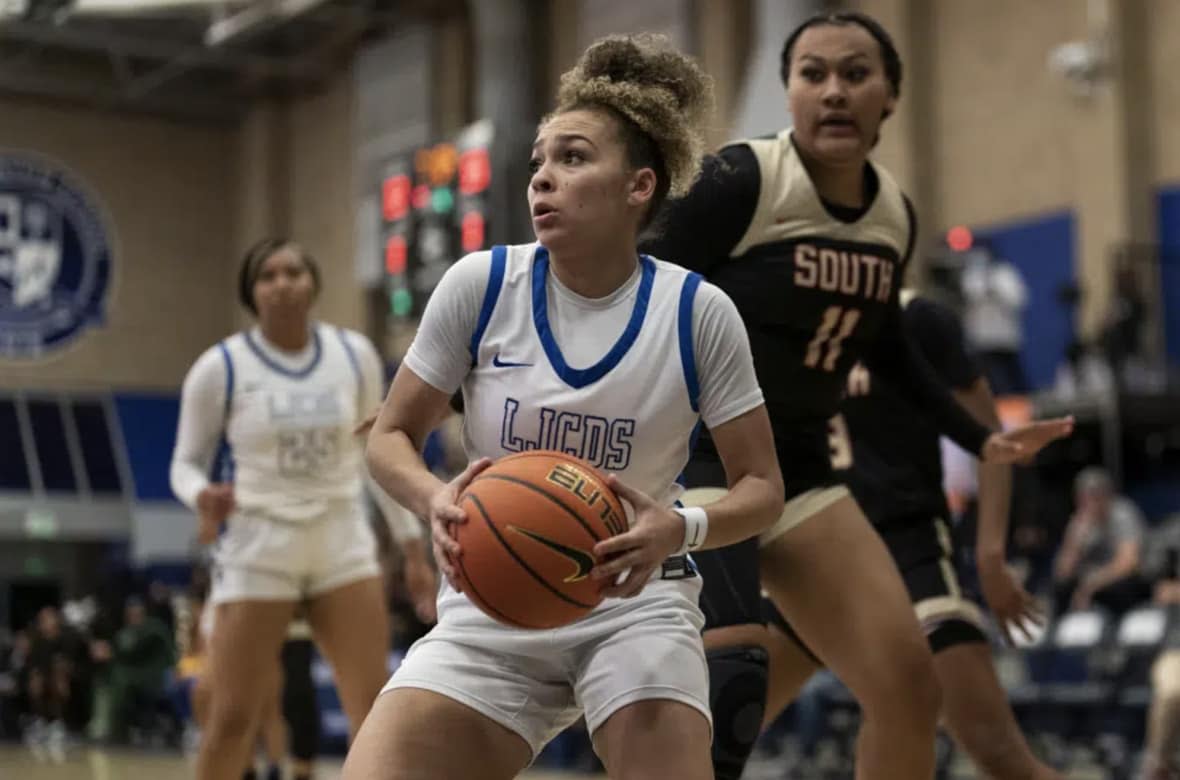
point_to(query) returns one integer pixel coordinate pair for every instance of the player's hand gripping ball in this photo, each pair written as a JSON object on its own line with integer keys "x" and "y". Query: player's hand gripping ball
{"x": 527, "y": 544}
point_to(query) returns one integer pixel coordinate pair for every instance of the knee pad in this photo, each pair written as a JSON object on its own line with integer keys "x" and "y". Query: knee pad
{"x": 738, "y": 679}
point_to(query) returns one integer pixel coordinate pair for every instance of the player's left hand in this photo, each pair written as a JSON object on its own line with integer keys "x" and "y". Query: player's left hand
{"x": 1021, "y": 444}
{"x": 1010, "y": 603}
{"x": 630, "y": 558}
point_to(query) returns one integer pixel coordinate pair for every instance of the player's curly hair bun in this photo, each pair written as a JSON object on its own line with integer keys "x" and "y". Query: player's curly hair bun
{"x": 662, "y": 91}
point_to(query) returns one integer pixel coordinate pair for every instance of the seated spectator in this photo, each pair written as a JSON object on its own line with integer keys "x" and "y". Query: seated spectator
{"x": 1099, "y": 560}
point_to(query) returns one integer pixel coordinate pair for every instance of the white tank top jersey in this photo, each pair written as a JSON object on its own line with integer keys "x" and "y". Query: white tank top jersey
{"x": 287, "y": 421}
{"x": 621, "y": 382}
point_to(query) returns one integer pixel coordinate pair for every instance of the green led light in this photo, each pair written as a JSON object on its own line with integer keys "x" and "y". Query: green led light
{"x": 402, "y": 302}
{"x": 442, "y": 200}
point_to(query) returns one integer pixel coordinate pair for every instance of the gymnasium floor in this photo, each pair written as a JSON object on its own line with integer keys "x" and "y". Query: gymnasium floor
{"x": 17, "y": 763}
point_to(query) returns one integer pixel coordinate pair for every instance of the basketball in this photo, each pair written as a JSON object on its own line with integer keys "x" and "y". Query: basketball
{"x": 528, "y": 544}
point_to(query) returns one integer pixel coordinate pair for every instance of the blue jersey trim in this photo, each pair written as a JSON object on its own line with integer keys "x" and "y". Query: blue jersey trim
{"x": 692, "y": 447}
{"x": 356, "y": 366}
{"x": 299, "y": 373}
{"x": 688, "y": 361}
{"x": 581, "y": 377}
{"x": 222, "y": 467}
{"x": 490, "y": 296}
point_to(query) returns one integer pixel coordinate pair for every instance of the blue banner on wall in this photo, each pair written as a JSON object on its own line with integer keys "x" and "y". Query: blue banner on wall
{"x": 1169, "y": 235}
{"x": 1042, "y": 249}
{"x": 55, "y": 257}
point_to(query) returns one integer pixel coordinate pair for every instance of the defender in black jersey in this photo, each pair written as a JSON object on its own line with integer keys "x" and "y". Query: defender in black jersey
{"x": 810, "y": 239}
{"x": 889, "y": 455}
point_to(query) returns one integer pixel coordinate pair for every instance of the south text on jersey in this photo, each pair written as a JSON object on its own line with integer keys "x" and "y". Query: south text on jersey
{"x": 852, "y": 272}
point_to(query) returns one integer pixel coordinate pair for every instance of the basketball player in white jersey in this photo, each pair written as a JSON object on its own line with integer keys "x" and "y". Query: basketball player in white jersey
{"x": 579, "y": 344}
{"x": 284, "y": 396}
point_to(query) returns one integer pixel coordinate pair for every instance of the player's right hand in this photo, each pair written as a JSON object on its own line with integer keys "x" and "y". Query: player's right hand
{"x": 214, "y": 503}
{"x": 1020, "y": 445}
{"x": 445, "y": 515}
{"x": 1012, "y": 605}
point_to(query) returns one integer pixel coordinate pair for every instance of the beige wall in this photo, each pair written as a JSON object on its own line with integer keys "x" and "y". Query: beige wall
{"x": 322, "y": 197}
{"x": 1004, "y": 127}
{"x": 167, "y": 189}
{"x": 988, "y": 134}
{"x": 295, "y": 178}
{"x": 186, "y": 202}
{"x": 1165, "y": 105}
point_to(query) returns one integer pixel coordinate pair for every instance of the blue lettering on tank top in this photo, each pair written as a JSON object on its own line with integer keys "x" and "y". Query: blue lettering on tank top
{"x": 603, "y": 443}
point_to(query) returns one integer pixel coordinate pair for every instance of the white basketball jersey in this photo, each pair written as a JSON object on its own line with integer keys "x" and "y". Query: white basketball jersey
{"x": 289, "y": 429}
{"x": 633, "y": 412}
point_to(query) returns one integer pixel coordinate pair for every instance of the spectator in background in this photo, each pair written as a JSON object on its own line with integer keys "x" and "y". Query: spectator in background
{"x": 141, "y": 655}
{"x": 1099, "y": 559}
{"x": 14, "y": 652}
{"x": 54, "y": 670}
{"x": 159, "y": 605}
{"x": 995, "y": 296}
{"x": 1126, "y": 318}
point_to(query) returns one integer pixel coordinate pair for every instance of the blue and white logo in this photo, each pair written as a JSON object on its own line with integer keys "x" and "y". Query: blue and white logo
{"x": 55, "y": 257}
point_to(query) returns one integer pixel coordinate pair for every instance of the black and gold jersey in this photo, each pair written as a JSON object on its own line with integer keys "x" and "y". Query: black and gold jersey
{"x": 887, "y": 451}
{"x": 817, "y": 287}
{"x": 814, "y": 285}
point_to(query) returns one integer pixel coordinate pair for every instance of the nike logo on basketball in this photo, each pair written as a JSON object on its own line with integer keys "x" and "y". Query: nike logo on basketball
{"x": 498, "y": 363}
{"x": 583, "y": 560}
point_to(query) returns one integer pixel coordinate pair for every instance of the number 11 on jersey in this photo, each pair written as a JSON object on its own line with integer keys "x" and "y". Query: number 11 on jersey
{"x": 837, "y": 324}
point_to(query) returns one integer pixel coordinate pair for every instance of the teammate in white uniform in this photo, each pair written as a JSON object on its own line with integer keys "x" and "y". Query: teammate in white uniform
{"x": 577, "y": 343}
{"x": 285, "y": 397}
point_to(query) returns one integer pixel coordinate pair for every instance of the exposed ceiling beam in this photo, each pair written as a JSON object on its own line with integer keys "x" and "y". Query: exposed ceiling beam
{"x": 256, "y": 18}
{"x": 83, "y": 39}
{"x": 138, "y": 7}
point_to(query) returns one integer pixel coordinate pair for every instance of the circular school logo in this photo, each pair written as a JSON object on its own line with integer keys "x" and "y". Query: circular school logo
{"x": 55, "y": 257}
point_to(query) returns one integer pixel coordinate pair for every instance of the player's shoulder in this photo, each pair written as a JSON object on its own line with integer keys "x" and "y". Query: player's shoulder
{"x": 476, "y": 268}
{"x": 739, "y": 147}
{"x": 212, "y": 363}
{"x": 227, "y": 347}
{"x": 706, "y": 293}
{"x": 354, "y": 339}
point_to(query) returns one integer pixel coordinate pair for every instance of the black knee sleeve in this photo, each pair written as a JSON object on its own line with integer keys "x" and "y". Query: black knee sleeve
{"x": 738, "y": 680}
{"x": 300, "y": 709}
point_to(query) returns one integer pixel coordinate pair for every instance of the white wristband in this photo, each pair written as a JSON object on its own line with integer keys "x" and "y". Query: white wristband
{"x": 696, "y": 527}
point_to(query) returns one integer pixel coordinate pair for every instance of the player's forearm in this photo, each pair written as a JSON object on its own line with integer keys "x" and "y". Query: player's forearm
{"x": 995, "y": 481}
{"x": 995, "y": 491}
{"x": 751, "y": 506}
{"x": 399, "y": 470}
{"x": 403, "y": 525}
{"x": 897, "y": 358}
{"x": 187, "y": 480}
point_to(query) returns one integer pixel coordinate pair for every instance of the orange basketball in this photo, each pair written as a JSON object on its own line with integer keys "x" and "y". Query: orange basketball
{"x": 528, "y": 544}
